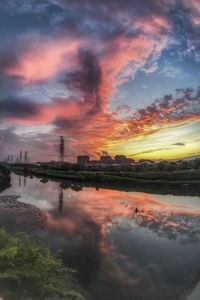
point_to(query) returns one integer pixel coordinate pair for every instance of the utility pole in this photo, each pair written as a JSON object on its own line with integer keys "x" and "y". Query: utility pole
{"x": 61, "y": 149}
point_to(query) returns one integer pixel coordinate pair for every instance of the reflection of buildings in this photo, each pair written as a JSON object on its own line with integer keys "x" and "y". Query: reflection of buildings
{"x": 20, "y": 181}
{"x": 84, "y": 160}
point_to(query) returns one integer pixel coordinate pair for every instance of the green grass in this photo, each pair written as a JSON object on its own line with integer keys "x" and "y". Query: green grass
{"x": 28, "y": 271}
{"x": 176, "y": 176}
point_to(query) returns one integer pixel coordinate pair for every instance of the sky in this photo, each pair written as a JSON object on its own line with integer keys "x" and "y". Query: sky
{"x": 113, "y": 77}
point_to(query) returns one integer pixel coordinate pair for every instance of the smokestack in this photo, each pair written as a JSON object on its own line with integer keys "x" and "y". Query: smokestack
{"x": 25, "y": 156}
{"x": 20, "y": 157}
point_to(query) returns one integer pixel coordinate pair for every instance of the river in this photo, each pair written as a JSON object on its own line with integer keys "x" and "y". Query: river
{"x": 124, "y": 245}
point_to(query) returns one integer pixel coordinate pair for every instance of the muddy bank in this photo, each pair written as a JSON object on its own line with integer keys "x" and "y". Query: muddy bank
{"x": 19, "y": 216}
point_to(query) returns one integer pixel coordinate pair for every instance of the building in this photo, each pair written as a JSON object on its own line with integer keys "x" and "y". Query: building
{"x": 96, "y": 163}
{"x": 83, "y": 160}
{"x": 123, "y": 160}
{"x": 106, "y": 160}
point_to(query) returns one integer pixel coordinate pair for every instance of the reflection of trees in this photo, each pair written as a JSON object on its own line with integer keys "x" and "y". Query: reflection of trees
{"x": 74, "y": 186}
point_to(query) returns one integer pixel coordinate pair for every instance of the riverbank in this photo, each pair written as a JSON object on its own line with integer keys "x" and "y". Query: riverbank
{"x": 29, "y": 270}
{"x": 178, "y": 182}
{"x": 93, "y": 228}
{"x": 4, "y": 177}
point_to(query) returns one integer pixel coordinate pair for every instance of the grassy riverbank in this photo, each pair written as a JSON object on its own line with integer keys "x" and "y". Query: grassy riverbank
{"x": 177, "y": 182}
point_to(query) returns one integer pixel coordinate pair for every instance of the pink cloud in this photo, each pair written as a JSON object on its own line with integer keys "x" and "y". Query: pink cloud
{"x": 44, "y": 58}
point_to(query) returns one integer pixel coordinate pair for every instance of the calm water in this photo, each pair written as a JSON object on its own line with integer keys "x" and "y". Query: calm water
{"x": 119, "y": 254}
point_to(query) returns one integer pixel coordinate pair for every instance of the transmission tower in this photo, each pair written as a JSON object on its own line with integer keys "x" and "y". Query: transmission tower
{"x": 61, "y": 149}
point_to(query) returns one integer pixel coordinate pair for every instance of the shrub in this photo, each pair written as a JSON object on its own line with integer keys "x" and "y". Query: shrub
{"x": 28, "y": 271}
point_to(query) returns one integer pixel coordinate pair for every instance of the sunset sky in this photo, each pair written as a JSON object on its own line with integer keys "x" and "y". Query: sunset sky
{"x": 112, "y": 77}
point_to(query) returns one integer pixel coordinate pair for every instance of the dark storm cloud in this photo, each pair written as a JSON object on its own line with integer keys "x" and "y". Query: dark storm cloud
{"x": 73, "y": 125}
{"x": 18, "y": 108}
{"x": 88, "y": 79}
{"x": 68, "y": 124}
{"x": 109, "y": 19}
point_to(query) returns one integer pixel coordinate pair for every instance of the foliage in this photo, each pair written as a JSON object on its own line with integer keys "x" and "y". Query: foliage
{"x": 4, "y": 169}
{"x": 29, "y": 271}
{"x": 4, "y": 177}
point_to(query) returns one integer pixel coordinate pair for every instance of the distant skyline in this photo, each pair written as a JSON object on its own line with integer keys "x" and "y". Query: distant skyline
{"x": 113, "y": 77}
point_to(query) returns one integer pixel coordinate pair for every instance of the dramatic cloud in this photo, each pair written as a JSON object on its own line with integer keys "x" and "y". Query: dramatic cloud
{"x": 87, "y": 80}
{"x": 42, "y": 59}
{"x": 18, "y": 108}
{"x": 79, "y": 67}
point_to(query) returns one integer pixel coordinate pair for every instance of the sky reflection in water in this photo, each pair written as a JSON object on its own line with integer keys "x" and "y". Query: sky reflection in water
{"x": 119, "y": 254}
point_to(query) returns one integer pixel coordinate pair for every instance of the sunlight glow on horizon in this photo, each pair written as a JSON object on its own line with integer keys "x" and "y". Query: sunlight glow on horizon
{"x": 170, "y": 143}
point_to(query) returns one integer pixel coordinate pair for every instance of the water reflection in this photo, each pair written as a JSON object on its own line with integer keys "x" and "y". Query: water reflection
{"x": 124, "y": 245}
{"x": 60, "y": 198}
{"x": 20, "y": 181}
{"x": 24, "y": 180}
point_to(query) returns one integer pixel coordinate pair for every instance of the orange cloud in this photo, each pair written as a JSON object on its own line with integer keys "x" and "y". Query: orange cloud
{"x": 118, "y": 60}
